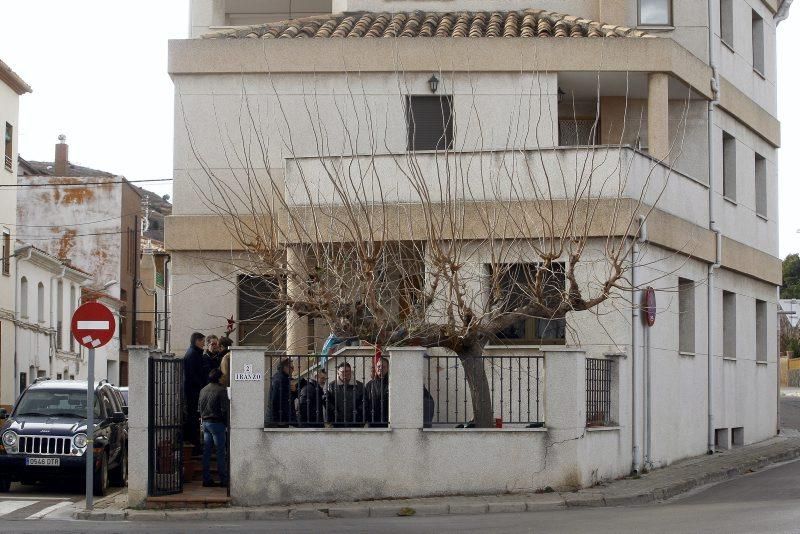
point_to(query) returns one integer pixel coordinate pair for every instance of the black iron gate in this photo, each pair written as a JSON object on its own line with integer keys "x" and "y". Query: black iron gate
{"x": 165, "y": 429}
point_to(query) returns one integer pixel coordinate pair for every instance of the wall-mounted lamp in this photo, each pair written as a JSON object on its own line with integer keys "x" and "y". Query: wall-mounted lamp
{"x": 433, "y": 83}
{"x": 561, "y": 94}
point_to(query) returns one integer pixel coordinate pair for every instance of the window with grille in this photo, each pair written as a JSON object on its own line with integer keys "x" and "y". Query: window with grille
{"x": 516, "y": 286}
{"x": 577, "y": 132}
{"x": 429, "y": 122}
{"x": 6, "y": 253}
{"x": 758, "y": 43}
{"x": 9, "y": 143}
{"x": 262, "y": 316}
{"x": 761, "y": 185}
{"x": 599, "y": 390}
{"x": 686, "y": 316}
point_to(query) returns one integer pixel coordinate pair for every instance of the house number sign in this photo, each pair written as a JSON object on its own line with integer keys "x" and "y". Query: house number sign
{"x": 248, "y": 375}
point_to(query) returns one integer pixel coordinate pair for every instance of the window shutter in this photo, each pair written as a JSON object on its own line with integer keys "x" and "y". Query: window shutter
{"x": 429, "y": 122}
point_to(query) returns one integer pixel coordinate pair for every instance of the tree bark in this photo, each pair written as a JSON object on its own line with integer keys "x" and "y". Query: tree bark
{"x": 480, "y": 393}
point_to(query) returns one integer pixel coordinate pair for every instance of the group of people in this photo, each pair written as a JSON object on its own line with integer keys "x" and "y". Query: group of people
{"x": 206, "y": 376}
{"x": 342, "y": 402}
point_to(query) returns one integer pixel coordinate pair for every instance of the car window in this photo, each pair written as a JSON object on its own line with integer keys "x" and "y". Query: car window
{"x": 54, "y": 402}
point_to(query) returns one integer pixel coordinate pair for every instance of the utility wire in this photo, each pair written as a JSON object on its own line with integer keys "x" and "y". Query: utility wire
{"x": 83, "y": 184}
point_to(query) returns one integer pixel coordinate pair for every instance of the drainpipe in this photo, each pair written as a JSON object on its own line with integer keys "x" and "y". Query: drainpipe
{"x": 54, "y": 312}
{"x": 648, "y": 461}
{"x": 636, "y": 356}
{"x": 712, "y": 225}
{"x": 166, "y": 303}
{"x": 16, "y": 327}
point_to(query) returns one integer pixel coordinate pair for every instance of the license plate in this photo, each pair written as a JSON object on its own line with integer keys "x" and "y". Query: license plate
{"x": 43, "y": 462}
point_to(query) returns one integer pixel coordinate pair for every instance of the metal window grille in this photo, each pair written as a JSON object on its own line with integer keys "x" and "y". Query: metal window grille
{"x": 300, "y": 400}
{"x": 598, "y": 391}
{"x": 515, "y": 385}
{"x": 577, "y": 132}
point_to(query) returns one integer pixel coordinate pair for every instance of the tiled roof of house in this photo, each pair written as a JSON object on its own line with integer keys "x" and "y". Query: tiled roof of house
{"x": 47, "y": 168}
{"x": 529, "y": 23}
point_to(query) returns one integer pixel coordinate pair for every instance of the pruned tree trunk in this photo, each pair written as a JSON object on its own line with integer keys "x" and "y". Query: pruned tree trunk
{"x": 480, "y": 392}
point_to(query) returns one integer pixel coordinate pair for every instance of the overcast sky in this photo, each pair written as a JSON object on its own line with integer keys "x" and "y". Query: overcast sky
{"x": 99, "y": 76}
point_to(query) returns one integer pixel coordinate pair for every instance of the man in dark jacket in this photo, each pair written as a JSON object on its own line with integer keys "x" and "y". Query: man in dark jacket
{"x": 377, "y": 395}
{"x": 312, "y": 401}
{"x": 214, "y": 408}
{"x": 345, "y": 400}
{"x": 281, "y": 410}
{"x": 194, "y": 379}
{"x": 211, "y": 356}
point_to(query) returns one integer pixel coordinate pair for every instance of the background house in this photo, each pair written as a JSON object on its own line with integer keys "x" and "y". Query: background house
{"x": 11, "y": 88}
{"x": 106, "y": 240}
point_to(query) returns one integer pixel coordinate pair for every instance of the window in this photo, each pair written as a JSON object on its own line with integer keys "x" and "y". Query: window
{"x": 761, "y": 185}
{"x": 578, "y": 131}
{"x": 761, "y": 331}
{"x": 40, "y": 302}
{"x": 686, "y": 316}
{"x": 655, "y": 12}
{"x": 23, "y": 381}
{"x": 599, "y": 392}
{"x": 515, "y": 282}
{"x": 262, "y": 316}
{"x": 726, "y": 22}
{"x": 728, "y": 324}
{"x": 6, "y": 252}
{"x": 758, "y": 43}
{"x": 429, "y": 122}
{"x": 728, "y": 166}
{"x": 23, "y": 297}
{"x": 72, "y": 306}
{"x": 60, "y": 315}
{"x": 9, "y": 141}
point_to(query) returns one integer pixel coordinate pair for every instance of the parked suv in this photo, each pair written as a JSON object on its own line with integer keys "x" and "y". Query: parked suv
{"x": 45, "y": 437}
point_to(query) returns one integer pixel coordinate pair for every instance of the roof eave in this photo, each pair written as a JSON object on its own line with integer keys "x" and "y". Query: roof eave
{"x": 13, "y": 80}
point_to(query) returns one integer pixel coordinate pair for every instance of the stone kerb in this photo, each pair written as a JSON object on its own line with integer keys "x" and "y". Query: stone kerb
{"x": 138, "y": 422}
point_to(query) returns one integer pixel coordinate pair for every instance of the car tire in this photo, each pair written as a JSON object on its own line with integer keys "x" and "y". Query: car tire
{"x": 119, "y": 475}
{"x": 5, "y": 485}
{"x": 101, "y": 477}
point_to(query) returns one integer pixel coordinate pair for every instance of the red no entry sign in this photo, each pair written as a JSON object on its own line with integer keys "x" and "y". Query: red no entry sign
{"x": 93, "y": 325}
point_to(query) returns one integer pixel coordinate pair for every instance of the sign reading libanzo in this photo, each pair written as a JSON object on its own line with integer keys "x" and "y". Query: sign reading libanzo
{"x": 248, "y": 375}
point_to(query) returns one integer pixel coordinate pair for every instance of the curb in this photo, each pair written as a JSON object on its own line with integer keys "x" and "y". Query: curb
{"x": 591, "y": 498}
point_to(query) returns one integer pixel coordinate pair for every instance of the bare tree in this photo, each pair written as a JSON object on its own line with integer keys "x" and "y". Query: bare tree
{"x": 445, "y": 248}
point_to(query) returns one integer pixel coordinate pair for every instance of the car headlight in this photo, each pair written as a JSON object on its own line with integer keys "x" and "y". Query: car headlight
{"x": 79, "y": 440}
{"x": 9, "y": 438}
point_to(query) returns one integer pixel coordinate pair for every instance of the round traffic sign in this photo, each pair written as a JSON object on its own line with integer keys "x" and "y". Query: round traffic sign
{"x": 93, "y": 325}
{"x": 649, "y": 305}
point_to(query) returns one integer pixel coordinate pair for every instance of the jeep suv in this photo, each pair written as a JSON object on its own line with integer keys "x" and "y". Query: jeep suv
{"x": 45, "y": 437}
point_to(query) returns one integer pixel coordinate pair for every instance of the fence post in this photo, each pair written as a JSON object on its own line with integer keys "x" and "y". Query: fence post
{"x": 565, "y": 393}
{"x": 138, "y": 419}
{"x": 247, "y": 411}
{"x": 406, "y": 368}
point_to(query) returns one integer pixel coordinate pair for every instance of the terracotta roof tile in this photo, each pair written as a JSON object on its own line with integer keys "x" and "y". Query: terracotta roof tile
{"x": 528, "y": 23}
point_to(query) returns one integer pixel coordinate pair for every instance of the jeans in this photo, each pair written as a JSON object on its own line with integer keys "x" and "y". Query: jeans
{"x": 214, "y": 433}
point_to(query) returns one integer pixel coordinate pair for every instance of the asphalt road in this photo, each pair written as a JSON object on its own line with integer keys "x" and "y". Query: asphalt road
{"x": 790, "y": 412}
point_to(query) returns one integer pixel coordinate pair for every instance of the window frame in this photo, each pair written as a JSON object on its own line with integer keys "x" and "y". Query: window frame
{"x": 762, "y": 331}
{"x": 760, "y": 179}
{"x": 728, "y": 167}
{"x": 23, "y": 297}
{"x": 9, "y": 147}
{"x": 669, "y": 24}
{"x": 759, "y": 52}
{"x": 729, "y": 337}
{"x": 6, "y": 259}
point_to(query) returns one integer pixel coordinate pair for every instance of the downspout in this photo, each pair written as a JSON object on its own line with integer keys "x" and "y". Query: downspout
{"x": 648, "y": 460}
{"x": 712, "y": 225}
{"x": 166, "y": 303}
{"x": 54, "y": 313}
{"x": 16, "y": 327}
{"x": 636, "y": 325}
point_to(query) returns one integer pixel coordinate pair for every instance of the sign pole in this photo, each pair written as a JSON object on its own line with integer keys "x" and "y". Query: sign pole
{"x": 90, "y": 434}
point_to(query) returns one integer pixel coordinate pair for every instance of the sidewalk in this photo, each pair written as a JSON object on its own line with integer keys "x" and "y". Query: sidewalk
{"x": 659, "y": 485}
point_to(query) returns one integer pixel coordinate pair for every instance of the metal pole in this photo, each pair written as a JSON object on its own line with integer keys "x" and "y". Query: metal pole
{"x": 90, "y": 433}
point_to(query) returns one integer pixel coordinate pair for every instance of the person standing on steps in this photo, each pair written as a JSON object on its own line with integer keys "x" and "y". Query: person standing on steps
{"x": 195, "y": 378}
{"x": 214, "y": 407}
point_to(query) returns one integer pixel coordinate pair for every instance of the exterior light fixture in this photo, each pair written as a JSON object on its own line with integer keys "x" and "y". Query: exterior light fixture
{"x": 433, "y": 83}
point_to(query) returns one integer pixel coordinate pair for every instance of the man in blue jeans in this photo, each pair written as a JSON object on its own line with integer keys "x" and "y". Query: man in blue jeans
{"x": 213, "y": 407}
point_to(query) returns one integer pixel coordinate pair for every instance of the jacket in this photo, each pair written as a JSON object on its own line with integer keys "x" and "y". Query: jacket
{"x": 312, "y": 404}
{"x": 281, "y": 407}
{"x": 195, "y": 377}
{"x": 214, "y": 404}
{"x": 377, "y": 401}
{"x": 345, "y": 404}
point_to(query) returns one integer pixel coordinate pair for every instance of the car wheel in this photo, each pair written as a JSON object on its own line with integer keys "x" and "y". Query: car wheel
{"x": 119, "y": 475}
{"x": 5, "y": 485}
{"x": 101, "y": 477}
